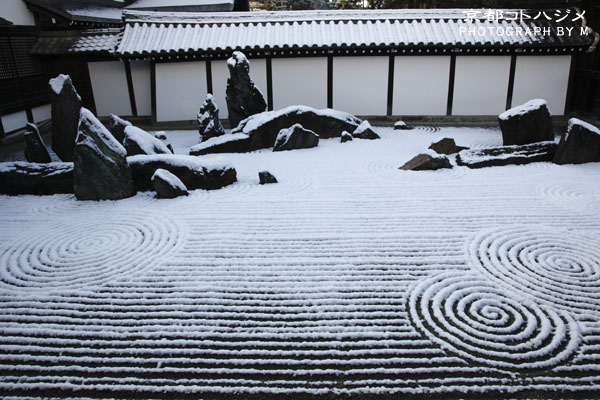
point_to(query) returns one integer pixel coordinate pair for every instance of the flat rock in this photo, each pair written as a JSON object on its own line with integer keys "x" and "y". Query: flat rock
{"x": 528, "y": 123}
{"x": 35, "y": 148}
{"x": 166, "y": 185}
{"x": 116, "y": 126}
{"x": 429, "y": 161}
{"x": 101, "y": 171}
{"x": 35, "y": 178}
{"x": 581, "y": 144}
{"x": 265, "y": 177}
{"x": 295, "y": 137}
{"x": 346, "y": 137}
{"x": 228, "y": 143}
{"x": 138, "y": 141}
{"x": 507, "y": 155}
{"x": 194, "y": 172}
{"x": 243, "y": 97}
{"x": 446, "y": 146}
{"x": 209, "y": 124}
{"x": 365, "y": 131}
{"x": 262, "y": 129}
{"x": 65, "y": 108}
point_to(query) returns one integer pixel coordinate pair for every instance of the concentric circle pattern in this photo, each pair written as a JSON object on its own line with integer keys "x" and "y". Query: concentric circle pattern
{"x": 89, "y": 250}
{"x": 557, "y": 267}
{"x": 470, "y": 317}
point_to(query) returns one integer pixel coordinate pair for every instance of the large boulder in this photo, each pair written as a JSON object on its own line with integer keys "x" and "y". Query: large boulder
{"x": 262, "y": 129}
{"x": 507, "y": 155}
{"x": 35, "y": 148}
{"x": 528, "y": 123}
{"x": 228, "y": 143}
{"x": 243, "y": 97}
{"x": 446, "y": 146}
{"x": 209, "y": 125}
{"x": 166, "y": 185}
{"x": 138, "y": 141}
{"x": 116, "y": 126}
{"x": 295, "y": 137}
{"x": 101, "y": 171}
{"x": 428, "y": 161}
{"x": 34, "y": 178}
{"x": 365, "y": 131}
{"x": 581, "y": 144}
{"x": 194, "y": 172}
{"x": 65, "y": 106}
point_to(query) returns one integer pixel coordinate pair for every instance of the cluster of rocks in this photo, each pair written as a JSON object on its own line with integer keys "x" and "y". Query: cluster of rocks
{"x": 433, "y": 158}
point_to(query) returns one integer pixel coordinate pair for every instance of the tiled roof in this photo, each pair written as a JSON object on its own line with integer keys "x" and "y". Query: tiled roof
{"x": 182, "y": 34}
{"x": 90, "y": 11}
{"x": 102, "y": 41}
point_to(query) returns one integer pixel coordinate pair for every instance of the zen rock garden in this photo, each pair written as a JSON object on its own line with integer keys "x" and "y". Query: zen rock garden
{"x": 115, "y": 161}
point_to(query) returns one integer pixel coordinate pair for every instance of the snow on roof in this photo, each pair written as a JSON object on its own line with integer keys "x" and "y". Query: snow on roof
{"x": 157, "y": 33}
{"x": 140, "y": 4}
{"x": 69, "y": 42}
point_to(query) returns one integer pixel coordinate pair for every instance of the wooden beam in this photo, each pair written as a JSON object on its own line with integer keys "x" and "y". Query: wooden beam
{"x": 209, "y": 85}
{"x": 511, "y": 82}
{"x": 390, "y": 93}
{"x": 130, "y": 88}
{"x": 451, "y": 85}
{"x": 269, "y": 84}
{"x": 571, "y": 85}
{"x": 329, "y": 81}
{"x": 153, "y": 89}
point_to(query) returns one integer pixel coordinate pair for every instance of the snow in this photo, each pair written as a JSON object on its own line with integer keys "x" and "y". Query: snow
{"x": 173, "y": 180}
{"x": 99, "y": 130}
{"x": 174, "y": 3}
{"x": 58, "y": 83}
{"x": 191, "y": 162}
{"x": 147, "y": 142}
{"x": 524, "y": 108}
{"x": 349, "y": 278}
{"x": 583, "y": 124}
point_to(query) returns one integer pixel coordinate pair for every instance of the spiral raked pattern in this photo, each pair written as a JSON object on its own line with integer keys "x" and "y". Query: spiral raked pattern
{"x": 480, "y": 323}
{"x": 556, "y": 267}
{"x": 88, "y": 250}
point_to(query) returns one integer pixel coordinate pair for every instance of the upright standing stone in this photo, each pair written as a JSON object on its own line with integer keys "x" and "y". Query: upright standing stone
{"x": 208, "y": 119}
{"x": 101, "y": 171}
{"x": 66, "y": 106}
{"x": 528, "y": 123}
{"x": 116, "y": 126}
{"x": 243, "y": 97}
{"x": 581, "y": 144}
{"x": 35, "y": 149}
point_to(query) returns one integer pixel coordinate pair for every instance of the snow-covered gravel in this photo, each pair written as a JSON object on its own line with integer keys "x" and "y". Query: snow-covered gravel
{"x": 348, "y": 278}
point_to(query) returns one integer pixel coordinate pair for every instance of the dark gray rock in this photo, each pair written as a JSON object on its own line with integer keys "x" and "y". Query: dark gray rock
{"x": 116, "y": 126}
{"x": 34, "y": 178}
{"x": 265, "y": 177}
{"x": 581, "y": 144}
{"x": 446, "y": 146}
{"x": 138, "y": 141}
{"x": 528, "y": 123}
{"x": 66, "y": 105}
{"x": 243, "y": 97}
{"x": 506, "y": 155}
{"x": 166, "y": 185}
{"x": 101, "y": 171}
{"x": 262, "y": 129}
{"x": 228, "y": 143}
{"x": 162, "y": 136}
{"x": 426, "y": 162}
{"x": 346, "y": 137}
{"x": 35, "y": 148}
{"x": 295, "y": 137}
{"x": 194, "y": 172}
{"x": 401, "y": 125}
{"x": 365, "y": 131}
{"x": 208, "y": 119}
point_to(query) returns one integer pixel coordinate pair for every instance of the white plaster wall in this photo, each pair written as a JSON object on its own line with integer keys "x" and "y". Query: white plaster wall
{"x": 421, "y": 85}
{"x": 481, "y": 85}
{"x": 542, "y": 77}
{"x": 14, "y": 121}
{"x": 299, "y": 81}
{"x": 109, "y": 84}
{"x": 220, "y": 73}
{"x": 16, "y": 12}
{"x": 142, "y": 89}
{"x": 180, "y": 90}
{"x": 41, "y": 113}
{"x": 360, "y": 85}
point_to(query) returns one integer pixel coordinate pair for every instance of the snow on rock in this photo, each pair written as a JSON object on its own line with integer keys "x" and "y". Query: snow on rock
{"x": 429, "y": 160}
{"x": 346, "y": 137}
{"x": 295, "y": 137}
{"x": 243, "y": 97}
{"x": 116, "y": 126}
{"x": 137, "y": 141}
{"x": 65, "y": 110}
{"x": 194, "y": 172}
{"x": 57, "y": 84}
{"x": 581, "y": 144}
{"x": 209, "y": 124}
{"x": 401, "y": 125}
{"x": 36, "y": 178}
{"x": 528, "y": 123}
{"x": 365, "y": 131}
{"x": 100, "y": 171}
{"x": 227, "y": 143}
{"x": 166, "y": 185}
{"x": 506, "y": 155}
{"x": 523, "y": 109}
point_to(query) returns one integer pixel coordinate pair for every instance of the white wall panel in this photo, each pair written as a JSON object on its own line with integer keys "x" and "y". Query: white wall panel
{"x": 180, "y": 90}
{"x": 42, "y": 113}
{"x": 16, "y": 12}
{"x": 109, "y": 84}
{"x": 481, "y": 85}
{"x": 299, "y": 81}
{"x": 14, "y": 121}
{"x": 142, "y": 89}
{"x": 360, "y": 85}
{"x": 542, "y": 77}
{"x": 421, "y": 85}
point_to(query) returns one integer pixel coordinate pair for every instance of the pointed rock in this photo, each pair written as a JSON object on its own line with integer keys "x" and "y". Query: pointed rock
{"x": 295, "y": 137}
{"x": 138, "y": 141}
{"x": 101, "y": 171}
{"x": 265, "y": 177}
{"x": 35, "y": 149}
{"x": 66, "y": 105}
{"x": 166, "y": 185}
{"x": 426, "y": 161}
{"x": 116, "y": 126}
{"x": 365, "y": 131}
{"x": 209, "y": 125}
{"x": 446, "y": 146}
{"x": 243, "y": 97}
{"x": 581, "y": 144}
